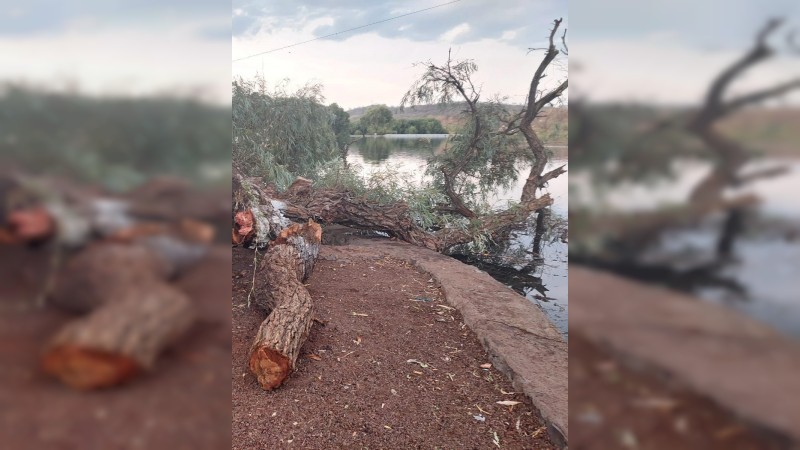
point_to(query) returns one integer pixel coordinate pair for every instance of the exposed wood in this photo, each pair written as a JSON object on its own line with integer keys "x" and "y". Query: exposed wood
{"x": 255, "y": 219}
{"x": 288, "y": 262}
{"x": 121, "y": 339}
{"x": 243, "y": 227}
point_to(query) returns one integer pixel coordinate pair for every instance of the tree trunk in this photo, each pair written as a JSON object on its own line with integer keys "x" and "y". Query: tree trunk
{"x": 345, "y": 209}
{"x": 104, "y": 272}
{"x": 120, "y": 339}
{"x": 288, "y": 262}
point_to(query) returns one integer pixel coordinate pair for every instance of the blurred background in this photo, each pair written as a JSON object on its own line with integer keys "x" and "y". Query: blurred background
{"x": 685, "y": 225}
{"x": 115, "y": 188}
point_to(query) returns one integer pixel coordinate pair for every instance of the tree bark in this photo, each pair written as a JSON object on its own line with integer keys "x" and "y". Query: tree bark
{"x": 105, "y": 272}
{"x": 346, "y": 209}
{"x": 288, "y": 262}
{"x": 120, "y": 339}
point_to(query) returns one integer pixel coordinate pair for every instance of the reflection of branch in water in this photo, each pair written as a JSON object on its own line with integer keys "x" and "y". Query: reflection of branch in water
{"x": 520, "y": 280}
{"x": 687, "y": 280}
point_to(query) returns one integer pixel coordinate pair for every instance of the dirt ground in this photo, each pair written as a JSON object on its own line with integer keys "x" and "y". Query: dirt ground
{"x": 615, "y": 407}
{"x": 388, "y": 365}
{"x": 183, "y": 404}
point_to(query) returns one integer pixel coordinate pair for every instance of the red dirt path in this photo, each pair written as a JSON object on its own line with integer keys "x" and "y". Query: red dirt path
{"x": 354, "y": 386}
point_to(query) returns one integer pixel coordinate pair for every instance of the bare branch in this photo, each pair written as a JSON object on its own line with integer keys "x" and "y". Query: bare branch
{"x": 768, "y": 172}
{"x": 762, "y": 95}
{"x": 551, "y": 174}
{"x": 549, "y": 56}
{"x": 713, "y": 108}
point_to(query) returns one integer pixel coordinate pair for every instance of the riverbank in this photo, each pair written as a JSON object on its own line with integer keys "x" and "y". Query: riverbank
{"x": 393, "y": 363}
{"x": 744, "y": 368}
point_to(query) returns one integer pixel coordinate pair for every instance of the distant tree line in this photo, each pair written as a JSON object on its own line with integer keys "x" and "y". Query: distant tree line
{"x": 379, "y": 120}
{"x": 118, "y": 142}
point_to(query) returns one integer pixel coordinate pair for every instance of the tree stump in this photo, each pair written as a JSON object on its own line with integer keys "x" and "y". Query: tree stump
{"x": 288, "y": 262}
{"x": 120, "y": 339}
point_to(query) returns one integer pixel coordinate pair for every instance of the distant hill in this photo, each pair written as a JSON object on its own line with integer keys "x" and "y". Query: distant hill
{"x": 772, "y": 131}
{"x": 551, "y": 126}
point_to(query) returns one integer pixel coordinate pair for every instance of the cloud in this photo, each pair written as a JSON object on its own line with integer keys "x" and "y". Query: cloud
{"x": 654, "y": 70}
{"x": 44, "y": 17}
{"x": 454, "y": 34}
{"x": 486, "y": 19}
{"x": 711, "y": 24}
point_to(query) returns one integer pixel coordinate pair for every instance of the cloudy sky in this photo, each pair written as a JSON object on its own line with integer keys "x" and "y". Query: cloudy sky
{"x": 375, "y": 64}
{"x": 668, "y": 51}
{"x": 122, "y": 47}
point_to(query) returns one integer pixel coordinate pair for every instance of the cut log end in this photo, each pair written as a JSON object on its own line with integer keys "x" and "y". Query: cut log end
{"x": 269, "y": 366}
{"x": 120, "y": 339}
{"x": 85, "y": 368}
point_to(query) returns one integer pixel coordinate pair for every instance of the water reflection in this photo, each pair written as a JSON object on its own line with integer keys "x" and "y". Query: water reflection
{"x": 761, "y": 281}
{"x": 543, "y": 281}
{"x": 376, "y": 150}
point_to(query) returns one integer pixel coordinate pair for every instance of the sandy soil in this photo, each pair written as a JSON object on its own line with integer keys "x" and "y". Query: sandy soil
{"x": 355, "y": 387}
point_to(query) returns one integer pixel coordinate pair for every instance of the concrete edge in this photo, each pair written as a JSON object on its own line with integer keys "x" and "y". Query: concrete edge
{"x": 661, "y": 312}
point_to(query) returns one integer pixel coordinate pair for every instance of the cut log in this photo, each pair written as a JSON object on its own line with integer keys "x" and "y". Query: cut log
{"x": 104, "y": 272}
{"x": 120, "y": 339}
{"x": 288, "y": 262}
{"x": 243, "y": 227}
{"x": 256, "y": 216}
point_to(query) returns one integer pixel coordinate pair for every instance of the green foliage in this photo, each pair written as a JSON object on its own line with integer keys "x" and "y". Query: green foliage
{"x": 279, "y": 134}
{"x": 387, "y": 186}
{"x": 341, "y": 126}
{"x": 481, "y": 156}
{"x": 377, "y": 120}
{"x": 116, "y": 142}
{"x": 483, "y": 160}
{"x": 417, "y": 126}
{"x": 629, "y": 143}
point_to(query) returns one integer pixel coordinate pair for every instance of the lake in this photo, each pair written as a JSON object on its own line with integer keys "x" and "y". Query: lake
{"x": 768, "y": 254}
{"x": 408, "y": 154}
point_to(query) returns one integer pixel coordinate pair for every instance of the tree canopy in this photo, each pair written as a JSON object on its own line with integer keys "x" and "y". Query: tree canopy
{"x": 279, "y": 134}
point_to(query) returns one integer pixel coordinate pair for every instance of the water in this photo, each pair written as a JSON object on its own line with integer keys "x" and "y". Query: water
{"x": 408, "y": 154}
{"x": 768, "y": 256}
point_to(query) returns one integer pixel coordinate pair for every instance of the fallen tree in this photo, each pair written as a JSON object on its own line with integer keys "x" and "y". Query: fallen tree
{"x": 301, "y": 202}
{"x": 119, "y": 255}
{"x": 131, "y": 314}
{"x": 288, "y": 262}
{"x": 120, "y": 339}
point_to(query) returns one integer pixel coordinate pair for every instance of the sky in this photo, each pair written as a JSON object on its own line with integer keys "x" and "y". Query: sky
{"x": 668, "y": 51}
{"x": 375, "y": 64}
{"x": 124, "y": 47}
